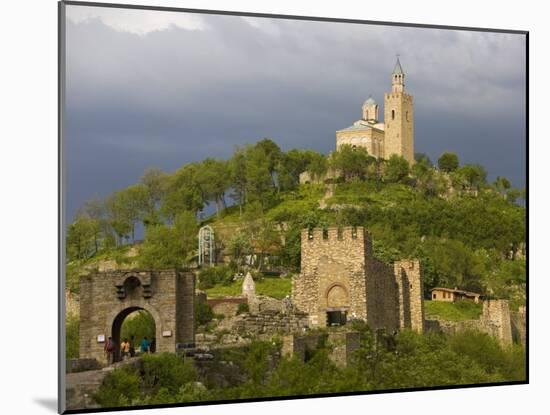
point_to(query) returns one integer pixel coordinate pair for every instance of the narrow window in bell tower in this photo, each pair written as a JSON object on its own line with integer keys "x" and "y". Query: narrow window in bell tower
{"x": 407, "y": 115}
{"x": 393, "y": 114}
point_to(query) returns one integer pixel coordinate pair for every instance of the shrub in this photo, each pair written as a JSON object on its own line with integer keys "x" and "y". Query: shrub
{"x": 166, "y": 370}
{"x": 243, "y": 308}
{"x": 509, "y": 362}
{"x": 210, "y": 276}
{"x": 203, "y": 313}
{"x": 119, "y": 388}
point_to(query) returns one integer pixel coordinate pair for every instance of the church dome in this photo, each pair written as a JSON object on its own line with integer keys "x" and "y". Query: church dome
{"x": 370, "y": 101}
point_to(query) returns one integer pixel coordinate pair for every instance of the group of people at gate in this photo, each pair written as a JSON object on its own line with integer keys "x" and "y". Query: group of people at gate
{"x": 127, "y": 349}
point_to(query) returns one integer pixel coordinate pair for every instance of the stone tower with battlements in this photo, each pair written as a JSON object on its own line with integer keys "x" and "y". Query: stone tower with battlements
{"x": 340, "y": 280}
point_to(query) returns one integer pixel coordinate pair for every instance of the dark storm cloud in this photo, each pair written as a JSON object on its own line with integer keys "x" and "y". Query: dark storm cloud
{"x": 169, "y": 96}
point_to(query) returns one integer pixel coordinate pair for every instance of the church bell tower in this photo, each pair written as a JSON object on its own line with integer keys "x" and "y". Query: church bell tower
{"x": 398, "y": 118}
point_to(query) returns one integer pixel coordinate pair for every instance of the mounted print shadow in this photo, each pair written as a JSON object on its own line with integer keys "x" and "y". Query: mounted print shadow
{"x": 261, "y": 207}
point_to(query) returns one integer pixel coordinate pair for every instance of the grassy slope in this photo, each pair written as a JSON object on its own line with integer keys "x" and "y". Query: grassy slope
{"x": 461, "y": 310}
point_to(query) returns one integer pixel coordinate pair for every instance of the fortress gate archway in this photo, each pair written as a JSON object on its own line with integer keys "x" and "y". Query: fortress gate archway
{"x": 106, "y": 298}
{"x": 337, "y": 299}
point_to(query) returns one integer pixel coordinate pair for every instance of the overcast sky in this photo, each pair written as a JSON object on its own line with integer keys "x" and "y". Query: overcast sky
{"x": 148, "y": 88}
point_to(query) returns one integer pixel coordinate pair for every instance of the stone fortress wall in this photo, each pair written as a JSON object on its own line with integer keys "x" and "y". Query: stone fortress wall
{"x": 496, "y": 320}
{"x": 106, "y": 298}
{"x": 340, "y": 274}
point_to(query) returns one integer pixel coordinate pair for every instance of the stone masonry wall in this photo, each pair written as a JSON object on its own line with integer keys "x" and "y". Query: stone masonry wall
{"x": 495, "y": 321}
{"x": 106, "y": 298}
{"x": 330, "y": 260}
{"x": 343, "y": 345}
{"x": 518, "y": 320}
{"x": 227, "y": 306}
{"x": 382, "y": 304}
{"x": 269, "y": 322}
{"x": 411, "y": 304}
{"x": 340, "y": 273}
{"x": 496, "y": 315}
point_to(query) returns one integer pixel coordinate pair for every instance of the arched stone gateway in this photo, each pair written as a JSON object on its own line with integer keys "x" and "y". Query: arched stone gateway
{"x": 337, "y": 305}
{"x": 337, "y": 297}
{"x": 107, "y": 298}
{"x": 116, "y": 330}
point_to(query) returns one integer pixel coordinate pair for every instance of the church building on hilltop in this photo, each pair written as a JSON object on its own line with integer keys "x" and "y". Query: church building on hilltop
{"x": 383, "y": 137}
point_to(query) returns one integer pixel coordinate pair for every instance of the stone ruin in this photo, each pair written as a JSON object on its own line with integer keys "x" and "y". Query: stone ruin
{"x": 107, "y": 298}
{"x": 496, "y": 320}
{"x": 341, "y": 280}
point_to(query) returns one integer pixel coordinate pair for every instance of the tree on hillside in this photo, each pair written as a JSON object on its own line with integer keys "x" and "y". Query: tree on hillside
{"x": 295, "y": 162}
{"x": 81, "y": 238}
{"x": 513, "y": 194}
{"x": 448, "y": 162}
{"x": 502, "y": 185}
{"x": 396, "y": 169}
{"x": 214, "y": 179}
{"x": 238, "y": 177}
{"x": 351, "y": 161}
{"x": 453, "y": 263}
{"x": 273, "y": 156}
{"x": 170, "y": 246}
{"x": 239, "y": 246}
{"x": 136, "y": 199}
{"x": 120, "y": 215}
{"x": 261, "y": 232}
{"x": 470, "y": 177}
{"x": 424, "y": 158}
{"x": 155, "y": 182}
{"x": 183, "y": 192}
{"x": 317, "y": 165}
{"x": 426, "y": 179}
{"x": 259, "y": 185}
{"x": 94, "y": 209}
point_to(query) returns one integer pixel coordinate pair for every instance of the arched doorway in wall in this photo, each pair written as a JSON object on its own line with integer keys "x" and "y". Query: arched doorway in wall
{"x": 337, "y": 305}
{"x": 133, "y": 324}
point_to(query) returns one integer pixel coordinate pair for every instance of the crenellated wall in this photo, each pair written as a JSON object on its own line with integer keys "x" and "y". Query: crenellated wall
{"x": 339, "y": 273}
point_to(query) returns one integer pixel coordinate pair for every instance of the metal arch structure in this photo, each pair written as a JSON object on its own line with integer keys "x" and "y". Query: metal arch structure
{"x": 206, "y": 245}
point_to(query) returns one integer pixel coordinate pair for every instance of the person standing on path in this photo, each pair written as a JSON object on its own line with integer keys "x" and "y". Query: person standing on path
{"x": 109, "y": 348}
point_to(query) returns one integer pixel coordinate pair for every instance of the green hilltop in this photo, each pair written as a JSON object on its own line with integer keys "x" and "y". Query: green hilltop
{"x": 467, "y": 232}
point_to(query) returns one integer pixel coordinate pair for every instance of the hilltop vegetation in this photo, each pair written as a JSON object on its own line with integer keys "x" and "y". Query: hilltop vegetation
{"x": 409, "y": 360}
{"x": 467, "y": 232}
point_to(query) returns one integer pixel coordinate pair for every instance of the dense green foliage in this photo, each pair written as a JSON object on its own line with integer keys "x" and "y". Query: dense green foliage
{"x": 163, "y": 378}
{"x": 448, "y": 162}
{"x": 139, "y": 324}
{"x": 454, "y": 311}
{"x": 467, "y": 232}
{"x": 211, "y": 276}
{"x": 203, "y": 313}
{"x": 170, "y": 246}
{"x": 408, "y": 360}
